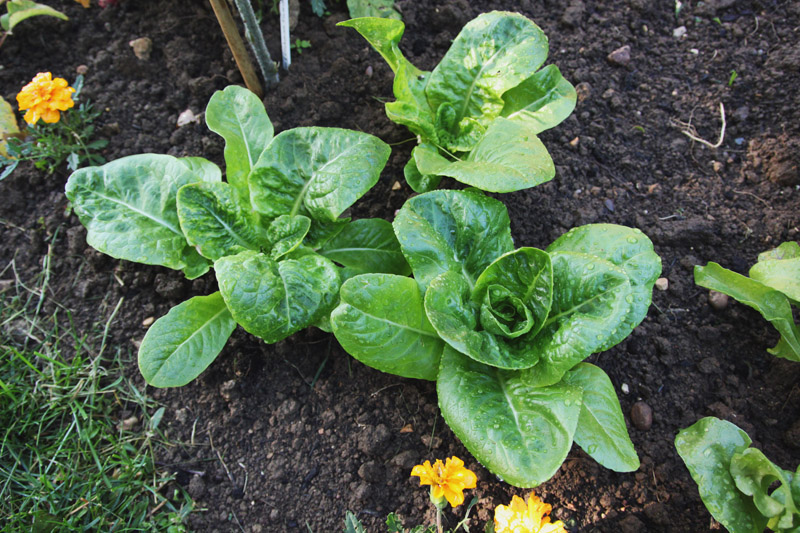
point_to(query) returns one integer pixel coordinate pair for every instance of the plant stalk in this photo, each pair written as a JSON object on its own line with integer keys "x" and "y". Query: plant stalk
{"x": 256, "y": 39}
{"x": 236, "y": 45}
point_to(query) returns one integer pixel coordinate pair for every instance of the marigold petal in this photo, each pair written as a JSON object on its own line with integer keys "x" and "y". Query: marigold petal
{"x": 51, "y": 116}
{"x": 454, "y": 497}
{"x": 31, "y": 117}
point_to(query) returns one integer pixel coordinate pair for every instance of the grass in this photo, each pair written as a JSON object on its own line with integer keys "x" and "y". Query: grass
{"x": 68, "y": 462}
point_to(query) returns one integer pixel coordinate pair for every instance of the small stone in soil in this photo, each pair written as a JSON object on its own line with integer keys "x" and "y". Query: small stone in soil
{"x": 662, "y": 284}
{"x": 717, "y": 300}
{"x": 642, "y": 416}
{"x": 620, "y": 57}
{"x": 142, "y": 48}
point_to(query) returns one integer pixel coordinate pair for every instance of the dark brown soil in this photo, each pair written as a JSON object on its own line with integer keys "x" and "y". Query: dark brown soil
{"x": 287, "y": 437}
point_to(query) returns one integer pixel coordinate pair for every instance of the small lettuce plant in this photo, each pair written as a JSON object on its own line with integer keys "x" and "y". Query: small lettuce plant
{"x": 772, "y": 288}
{"x": 273, "y": 231}
{"x": 478, "y": 113}
{"x": 742, "y": 489}
{"x": 504, "y": 331}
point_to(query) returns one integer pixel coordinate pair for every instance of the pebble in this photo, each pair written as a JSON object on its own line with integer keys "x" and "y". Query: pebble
{"x": 129, "y": 423}
{"x": 620, "y": 57}
{"x": 583, "y": 90}
{"x": 717, "y": 300}
{"x": 662, "y": 284}
{"x": 142, "y": 47}
{"x": 679, "y": 32}
{"x": 187, "y": 117}
{"x": 148, "y": 321}
{"x": 642, "y": 416}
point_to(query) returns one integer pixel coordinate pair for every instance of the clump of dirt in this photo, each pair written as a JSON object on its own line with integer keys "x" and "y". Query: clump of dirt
{"x": 777, "y": 159}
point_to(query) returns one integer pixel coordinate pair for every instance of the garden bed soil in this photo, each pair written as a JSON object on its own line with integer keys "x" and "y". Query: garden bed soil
{"x": 287, "y": 437}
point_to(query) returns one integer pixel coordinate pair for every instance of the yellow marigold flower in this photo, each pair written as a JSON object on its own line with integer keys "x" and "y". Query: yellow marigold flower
{"x": 45, "y": 98}
{"x": 521, "y": 517}
{"x": 84, "y": 3}
{"x": 448, "y": 480}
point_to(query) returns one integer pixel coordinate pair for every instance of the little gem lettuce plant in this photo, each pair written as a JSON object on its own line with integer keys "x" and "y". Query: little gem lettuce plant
{"x": 478, "y": 113}
{"x": 504, "y": 331}
{"x": 272, "y": 232}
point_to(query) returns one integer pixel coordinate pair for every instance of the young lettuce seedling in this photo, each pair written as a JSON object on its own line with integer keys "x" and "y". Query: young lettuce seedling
{"x": 772, "y": 289}
{"x": 273, "y": 231}
{"x": 504, "y": 331}
{"x": 478, "y": 113}
{"x": 735, "y": 480}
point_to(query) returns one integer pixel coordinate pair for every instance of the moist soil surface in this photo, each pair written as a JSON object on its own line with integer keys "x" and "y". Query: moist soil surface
{"x": 289, "y": 436}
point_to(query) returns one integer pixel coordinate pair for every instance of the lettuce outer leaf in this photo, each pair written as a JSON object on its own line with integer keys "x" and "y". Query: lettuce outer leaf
{"x": 273, "y": 300}
{"x": 179, "y": 346}
{"x": 773, "y": 305}
{"x": 780, "y": 270}
{"x": 318, "y": 172}
{"x": 707, "y": 448}
{"x": 373, "y": 328}
{"x": 520, "y": 433}
{"x": 507, "y": 158}
{"x": 129, "y": 209}
{"x": 627, "y": 248}
{"x": 540, "y": 102}
{"x": 367, "y": 246}
{"x": 601, "y": 430}
{"x": 460, "y": 231}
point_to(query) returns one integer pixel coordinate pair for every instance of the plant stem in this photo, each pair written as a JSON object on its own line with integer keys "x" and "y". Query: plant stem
{"x": 256, "y": 39}
{"x": 236, "y": 45}
{"x": 438, "y": 520}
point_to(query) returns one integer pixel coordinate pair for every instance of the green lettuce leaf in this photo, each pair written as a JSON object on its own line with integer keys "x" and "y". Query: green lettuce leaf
{"x": 707, "y": 448}
{"x": 239, "y": 117}
{"x": 367, "y": 246}
{"x": 179, "y": 346}
{"x": 780, "y": 269}
{"x": 318, "y": 172}
{"x": 627, "y": 248}
{"x": 128, "y": 207}
{"x": 273, "y": 299}
{"x": 591, "y": 298}
{"x": 773, "y": 305}
{"x": 286, "y": 233}
{"x": 601, "y": 430}
{"x": 456, "y": 231}
{"x": 508, "y": 157}
{"x": 520, "y": 433}
{"x": 373, "y": 328}
{"x": 213, "y": 221}
{"x": 541, "y": 102}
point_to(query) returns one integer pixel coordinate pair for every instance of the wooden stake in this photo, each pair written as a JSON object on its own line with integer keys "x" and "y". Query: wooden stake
{"x": 236, "y": 44}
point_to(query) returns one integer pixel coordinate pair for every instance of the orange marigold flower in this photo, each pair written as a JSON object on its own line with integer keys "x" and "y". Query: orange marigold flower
{"x": 84, "y": 3}
{"x": 45, "y": 98}
{"x": 521, "y": 517}
{"x": 448, "y": 479}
